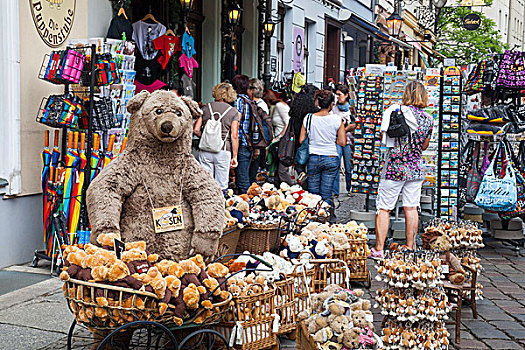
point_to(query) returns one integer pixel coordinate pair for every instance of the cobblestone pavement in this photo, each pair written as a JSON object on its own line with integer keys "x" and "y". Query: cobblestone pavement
{"x": 37, "y": 317}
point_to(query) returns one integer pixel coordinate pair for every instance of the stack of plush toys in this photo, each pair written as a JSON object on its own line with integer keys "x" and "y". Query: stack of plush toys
{"x": 340, "y": 318}
{"x": 264, "y": 205}
{"x": 413, "y": 300}
{"x": 458, "y": 242}
{"x": 321, "y": 240}
{"x": 183, "y": 289}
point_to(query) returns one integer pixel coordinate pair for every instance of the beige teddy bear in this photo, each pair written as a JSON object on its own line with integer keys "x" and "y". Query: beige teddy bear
{"x": 158, "y": 170}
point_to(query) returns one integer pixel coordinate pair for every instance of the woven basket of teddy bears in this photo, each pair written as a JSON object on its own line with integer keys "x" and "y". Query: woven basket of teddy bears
{"x": 258, "y": 239}
{"x": 303, "y": 285}
{"x": 285, "y": 304}
{"x": 104, "y": 292}
{"x": 250, "y": 321}
{"x": 329, "y": 271}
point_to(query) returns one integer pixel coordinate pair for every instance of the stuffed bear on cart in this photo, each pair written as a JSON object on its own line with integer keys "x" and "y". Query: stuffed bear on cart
{"x": 158, "y": 171}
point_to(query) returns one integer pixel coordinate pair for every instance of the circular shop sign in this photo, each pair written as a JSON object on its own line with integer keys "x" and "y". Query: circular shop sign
{"x": 53, "y": 19}
{"x": 471, "y": 21}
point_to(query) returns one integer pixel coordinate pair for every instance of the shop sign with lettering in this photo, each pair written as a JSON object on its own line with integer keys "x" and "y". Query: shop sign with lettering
{"x": 53, "y": 19}
{"x": 471, "y": 21}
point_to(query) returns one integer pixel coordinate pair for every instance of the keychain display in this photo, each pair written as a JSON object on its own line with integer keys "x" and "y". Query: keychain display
{"x": 413, "y": 301}
{"x": 60, "y": 111}
{"x": 369, "y": 111}
{"x": 63, "y": 67}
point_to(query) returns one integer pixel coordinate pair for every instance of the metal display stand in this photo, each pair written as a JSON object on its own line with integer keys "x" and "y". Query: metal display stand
{"x": 449, "y": 143}
{"x": 41, "y": 254}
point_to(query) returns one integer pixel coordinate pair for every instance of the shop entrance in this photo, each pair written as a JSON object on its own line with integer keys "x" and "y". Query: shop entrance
{"x": 332, "y": 50}
{"x": 170, "y": 14}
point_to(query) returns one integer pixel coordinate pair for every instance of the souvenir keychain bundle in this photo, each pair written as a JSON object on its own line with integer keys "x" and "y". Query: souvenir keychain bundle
{"x": 413, "y": 302}
{"x": 60, "y": 111}
{"x": 64, "y": 67}
{"x": 462, "y": 234}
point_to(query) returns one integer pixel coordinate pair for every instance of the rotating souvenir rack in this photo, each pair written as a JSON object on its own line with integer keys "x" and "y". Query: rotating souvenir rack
{"x": 449, "y": 143}
{"x": 68, "y": 170}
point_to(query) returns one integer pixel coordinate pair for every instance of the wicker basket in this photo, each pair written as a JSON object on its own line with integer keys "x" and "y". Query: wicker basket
{"x": 330, "y": 271}
{"x": 256, "y": 331}
{"x": 284, "y": 303}
{"x": 258, "y": 239}
{"x": 123, "y": 304}
{"x": 228, "y": 242}
{"x": 340, "y": 254}
{"x": 303, "y": 286}
{"x": 356, "y": 260}
{"x": 126, "y": 305}
{"x": 304, "y": 339}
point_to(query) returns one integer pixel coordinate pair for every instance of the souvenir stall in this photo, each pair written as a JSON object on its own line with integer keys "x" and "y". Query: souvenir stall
{"x": 79, "y": 117}
{"x": 491, "y": 160}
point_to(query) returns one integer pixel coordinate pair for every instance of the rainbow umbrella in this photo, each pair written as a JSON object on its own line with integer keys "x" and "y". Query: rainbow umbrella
{"x": 56, "y": 152}
{"x": 49, "y": 203}
{"x": 70, "y": 161}
{"x": 108, "y": 156}
{"x": 95, "y": 157}
{"x": 124, "y": 143}
{"x": 76, "y": 193}
{"x": 46, "y": 161}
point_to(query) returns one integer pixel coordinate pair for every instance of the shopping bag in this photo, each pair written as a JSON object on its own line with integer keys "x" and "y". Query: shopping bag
{"x": 466, "y": 161}
{"x": 511, "y": 73}
{"x": 519, "y": 163}
{"x": 474, "y": 177}
{"x": 495, "y": 193}
{"x": 303, "y": 152}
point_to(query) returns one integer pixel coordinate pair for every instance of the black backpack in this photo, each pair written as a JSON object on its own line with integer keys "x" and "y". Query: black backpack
{"x": 398, "y": 126}
{"x": 287, "y": 147}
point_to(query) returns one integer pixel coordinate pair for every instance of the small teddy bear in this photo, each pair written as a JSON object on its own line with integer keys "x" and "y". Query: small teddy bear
{"x": 456, "y": 273}
{"x": 350, "y": 338}
{"x": 359, "y": 319}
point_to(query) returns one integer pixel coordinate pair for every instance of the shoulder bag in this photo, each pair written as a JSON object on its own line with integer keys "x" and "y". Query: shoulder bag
{"x": 303, "y": 152}
{"x": 495, "y": 193}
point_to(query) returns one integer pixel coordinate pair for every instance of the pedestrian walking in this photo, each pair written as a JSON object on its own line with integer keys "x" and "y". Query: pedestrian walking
{"x": 324, "y": 131}
{"x": 402, "y": 172}
{"x": 241, "y": 83}
{"x": 279, "y": 111}
{"x": 218, "y": 129}
{"x": 342, "y": 108}
{"x": 256, "y": 93}
{"x": 302, "y": 104}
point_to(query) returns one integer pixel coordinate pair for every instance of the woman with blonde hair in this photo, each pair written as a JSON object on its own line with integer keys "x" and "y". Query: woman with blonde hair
{"x": 402, "y": 172}
{"x": 219, "y": 163}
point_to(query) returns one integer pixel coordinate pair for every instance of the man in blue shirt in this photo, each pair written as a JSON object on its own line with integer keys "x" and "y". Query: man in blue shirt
{"x": 241, "y": 83}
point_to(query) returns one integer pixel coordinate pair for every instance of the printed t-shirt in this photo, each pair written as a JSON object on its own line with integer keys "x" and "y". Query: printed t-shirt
{"x": 144, "y": 34}
{"x": 188, "y": 64}
{"x": 404, "y": 162}
{"x": 168, "y": 45}
{"x": 157, "y": 85}
{"x": 188, "y": 45}
{"x": 322, "y": 133}
{"x": 226, "y": 121}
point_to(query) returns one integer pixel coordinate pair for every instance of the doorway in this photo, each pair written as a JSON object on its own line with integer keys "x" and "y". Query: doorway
{"x": 332, "y": 50}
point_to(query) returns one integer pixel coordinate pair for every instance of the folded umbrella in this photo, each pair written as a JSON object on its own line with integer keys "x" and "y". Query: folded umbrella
{"x": 95, "y": 157}
{"x": 70, "y": 162}
{"x": 76, "y": 202}
{"x": 108, "y": 156}
{"x": 46, "y": 161}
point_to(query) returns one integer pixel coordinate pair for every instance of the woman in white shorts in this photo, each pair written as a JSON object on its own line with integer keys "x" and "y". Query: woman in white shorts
{"x": 402, "y": 173}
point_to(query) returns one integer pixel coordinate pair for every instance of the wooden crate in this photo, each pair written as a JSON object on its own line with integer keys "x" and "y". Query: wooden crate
{"x": 304, "y": 339}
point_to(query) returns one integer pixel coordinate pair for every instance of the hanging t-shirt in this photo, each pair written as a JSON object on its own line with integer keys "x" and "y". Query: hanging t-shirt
{"x": 144, "y": 34}
{"x": 119, "y": 25}
{"x": 188, "y": 64}
{"x": 157, "y": 85}
{"x": 147, "y": 70}
{"x": 188, "y": 45}
{"x": 168, "y": 45}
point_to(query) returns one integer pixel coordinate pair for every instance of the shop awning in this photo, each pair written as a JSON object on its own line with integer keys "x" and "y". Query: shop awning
{"x": 433, "y": 53}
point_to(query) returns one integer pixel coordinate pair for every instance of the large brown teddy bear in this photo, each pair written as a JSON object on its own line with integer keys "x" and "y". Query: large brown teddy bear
{"x": 155, "y": 167}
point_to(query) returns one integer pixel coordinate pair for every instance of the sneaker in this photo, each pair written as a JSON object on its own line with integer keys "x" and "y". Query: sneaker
{"x": 377, "y": 255}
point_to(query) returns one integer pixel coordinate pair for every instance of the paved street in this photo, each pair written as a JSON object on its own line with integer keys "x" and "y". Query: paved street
{"x": 36, "y": 317}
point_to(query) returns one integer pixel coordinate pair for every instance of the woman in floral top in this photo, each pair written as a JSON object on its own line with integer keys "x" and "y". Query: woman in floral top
{"x": 403, "y": 172}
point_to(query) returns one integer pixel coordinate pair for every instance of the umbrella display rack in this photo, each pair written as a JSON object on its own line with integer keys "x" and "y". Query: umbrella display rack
{"x": 70, "y": 67}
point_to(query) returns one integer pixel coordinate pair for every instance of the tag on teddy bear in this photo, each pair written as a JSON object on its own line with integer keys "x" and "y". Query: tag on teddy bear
{"x": 119, "y": 247}
{"x": 167, "y": 219}
{"x": 445, "y": 268}
{"x": 369, "y": 318}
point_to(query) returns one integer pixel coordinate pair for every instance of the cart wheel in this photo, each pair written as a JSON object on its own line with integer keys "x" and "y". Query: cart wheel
{"x": 79, "y": 337}
{"x": 204, "y": 339}
{"x": 368, "y": 282}
{"x": 139, "y": 335}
